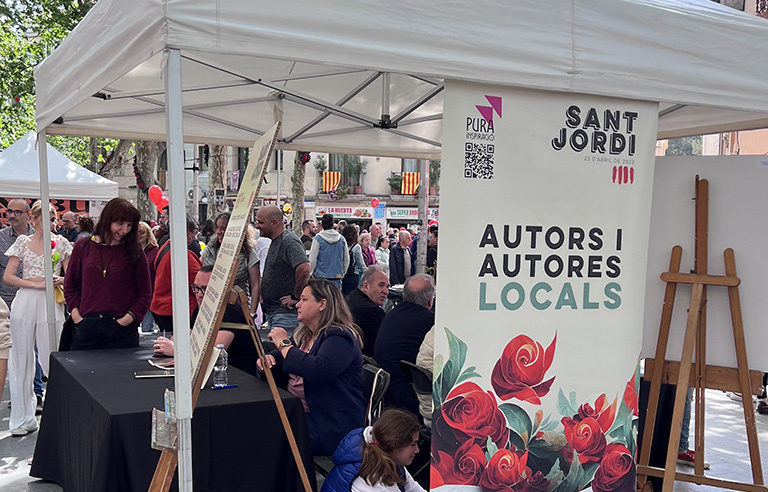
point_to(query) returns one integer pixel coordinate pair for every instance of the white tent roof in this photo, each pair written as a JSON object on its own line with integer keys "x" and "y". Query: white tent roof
{"x": 328, "y": 63}
{"x": 68, "y": 181}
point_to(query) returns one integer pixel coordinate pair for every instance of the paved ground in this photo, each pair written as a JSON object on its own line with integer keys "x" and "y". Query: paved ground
{"x": 726, "y": 443}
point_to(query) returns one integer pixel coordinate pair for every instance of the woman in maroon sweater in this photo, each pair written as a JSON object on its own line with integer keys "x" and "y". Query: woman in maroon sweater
{"x": 107, "y": 287}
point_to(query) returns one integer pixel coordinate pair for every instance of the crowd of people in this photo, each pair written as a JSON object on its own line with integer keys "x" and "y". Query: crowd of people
{"x": 322, "y": 295}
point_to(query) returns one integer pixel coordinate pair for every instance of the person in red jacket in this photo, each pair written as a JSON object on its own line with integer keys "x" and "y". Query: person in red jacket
{"x": 162, "y": 302}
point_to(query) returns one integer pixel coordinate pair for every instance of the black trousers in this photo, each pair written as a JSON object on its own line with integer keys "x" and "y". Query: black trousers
{"x": 102, "y": 331}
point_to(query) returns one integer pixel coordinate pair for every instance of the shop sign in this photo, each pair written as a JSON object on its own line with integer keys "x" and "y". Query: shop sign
{"x": 410, "y": 213}
{"x": 345, "y": 212}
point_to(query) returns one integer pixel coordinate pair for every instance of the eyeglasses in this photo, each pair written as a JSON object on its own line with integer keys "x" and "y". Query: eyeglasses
{"x": 17, "y": 213}
{"x": 197, "y": 289}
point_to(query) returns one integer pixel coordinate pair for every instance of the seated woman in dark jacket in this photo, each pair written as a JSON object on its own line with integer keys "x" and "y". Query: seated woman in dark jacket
{"x": 324, "y": 364}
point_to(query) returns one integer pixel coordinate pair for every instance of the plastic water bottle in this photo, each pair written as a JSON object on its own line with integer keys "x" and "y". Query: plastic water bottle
{"x": 220, "y": 377}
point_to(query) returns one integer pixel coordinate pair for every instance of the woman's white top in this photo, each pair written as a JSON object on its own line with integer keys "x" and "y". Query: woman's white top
{"x": 382, "y": 256}
{"x": 360, "y": 485}
{"x": 32, "y": 263}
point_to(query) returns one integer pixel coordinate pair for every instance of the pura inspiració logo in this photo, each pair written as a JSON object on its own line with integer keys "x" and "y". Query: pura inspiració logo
{"x": 479, "y": 149}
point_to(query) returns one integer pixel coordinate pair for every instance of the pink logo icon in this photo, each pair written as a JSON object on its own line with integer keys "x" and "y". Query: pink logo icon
{"x": 487, "y": 111}
{"x": 623, "y": 174}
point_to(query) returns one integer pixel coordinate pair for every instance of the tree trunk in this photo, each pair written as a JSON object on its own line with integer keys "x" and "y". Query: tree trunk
{"x": 297, "y": 190}
{"x": 216, "y": 174}
{"x": 95, "y": 150}
{"x": 147, "y": 155}
{"x": 119, "y": 158}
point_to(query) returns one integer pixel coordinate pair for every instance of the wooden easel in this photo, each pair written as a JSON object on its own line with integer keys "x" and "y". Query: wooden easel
{"x": 701, "y": 376}
{"x": 166, "y": 467}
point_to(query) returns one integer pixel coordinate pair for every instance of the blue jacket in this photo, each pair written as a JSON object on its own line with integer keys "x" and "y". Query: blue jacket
{"x": 347, "y": 461}
{"x": 330, "y": 259}
{"x": 332, "y": 372}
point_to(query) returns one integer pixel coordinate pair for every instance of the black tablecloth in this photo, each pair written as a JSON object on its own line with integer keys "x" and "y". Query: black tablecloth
{"x": 96, "y": 429}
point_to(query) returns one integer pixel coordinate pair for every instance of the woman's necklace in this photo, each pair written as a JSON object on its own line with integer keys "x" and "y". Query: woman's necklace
{"x": 101, "y": 257}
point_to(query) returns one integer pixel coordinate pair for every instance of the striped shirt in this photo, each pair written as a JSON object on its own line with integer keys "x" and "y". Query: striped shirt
{"x": 7, "y": 238}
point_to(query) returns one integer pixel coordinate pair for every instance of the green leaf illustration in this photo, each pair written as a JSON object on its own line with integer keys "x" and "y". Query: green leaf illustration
{"x": 468, "y": 373}
{"x": 564, "y": 406}
{"x": 490, "y": 449}
{"x": 555, "y": 476}
{"x": 517, "y": 418}
{"x": 519, "y": 424}
{"x": 457, "y": 350}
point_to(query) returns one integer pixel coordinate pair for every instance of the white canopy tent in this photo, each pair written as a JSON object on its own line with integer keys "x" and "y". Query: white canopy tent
{"x": 362, "y": 76}
{"x": 338, "y": 66}
{"x": 68, "y": 180}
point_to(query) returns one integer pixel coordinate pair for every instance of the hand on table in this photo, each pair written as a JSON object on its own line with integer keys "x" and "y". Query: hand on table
{"x": 163, "y": 346}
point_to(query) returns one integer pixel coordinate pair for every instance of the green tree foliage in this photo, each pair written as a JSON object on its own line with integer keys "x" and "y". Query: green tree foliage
{"x": 31, "y": 30}
{"x": 684, "y": 146}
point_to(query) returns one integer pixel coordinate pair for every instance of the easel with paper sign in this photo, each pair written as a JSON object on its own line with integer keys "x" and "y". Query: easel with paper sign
{"x": 211, "y": 311}
{"x": 697, "y": 374}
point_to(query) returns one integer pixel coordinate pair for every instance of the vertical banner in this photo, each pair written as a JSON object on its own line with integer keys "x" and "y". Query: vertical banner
{"x": 536, "y": 352}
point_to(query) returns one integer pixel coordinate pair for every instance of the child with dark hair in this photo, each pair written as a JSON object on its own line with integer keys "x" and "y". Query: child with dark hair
{"x": 374, "y": 459}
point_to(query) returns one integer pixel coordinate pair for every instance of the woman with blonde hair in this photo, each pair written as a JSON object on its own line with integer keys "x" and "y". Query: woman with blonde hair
{"x": 148, "y": 243}
{"x": 374, "y": 459}
{"x": 369, "y": 254}
{"x": 29, "y": 324}
{"x": 324, "y": 364}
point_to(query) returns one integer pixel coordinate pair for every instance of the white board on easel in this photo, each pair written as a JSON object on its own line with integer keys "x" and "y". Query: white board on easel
{"x": 738, "y": 219}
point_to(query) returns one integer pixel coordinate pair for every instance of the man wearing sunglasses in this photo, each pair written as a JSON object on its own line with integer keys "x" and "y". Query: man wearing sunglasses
{"x": 17, "y": 213}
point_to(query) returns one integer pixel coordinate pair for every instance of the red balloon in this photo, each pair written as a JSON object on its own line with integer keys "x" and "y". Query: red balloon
{"x": 155, "y": 193}
{"x": 162, "y": 203}
{"x": 374, "y": 202}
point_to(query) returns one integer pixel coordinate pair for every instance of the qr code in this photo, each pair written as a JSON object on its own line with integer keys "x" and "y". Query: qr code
{"x": 478, "y": 160}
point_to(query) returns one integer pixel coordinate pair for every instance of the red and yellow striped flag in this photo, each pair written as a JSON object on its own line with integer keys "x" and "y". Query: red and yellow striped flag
{"x": 331, "y": 180}
{"x": 410, "y": 183}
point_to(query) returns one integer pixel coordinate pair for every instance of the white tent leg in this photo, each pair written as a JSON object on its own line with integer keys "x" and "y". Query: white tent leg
{"x": 179, "y": 285}
{"x": 42, "y": 153}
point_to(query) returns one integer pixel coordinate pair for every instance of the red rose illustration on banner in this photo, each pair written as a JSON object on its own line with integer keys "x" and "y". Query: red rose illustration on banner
{"x": 520, "y": 370}
{"x": 464, "y": 467}
{"x": 471, "y": 413}
{"x": 630, "y": 396}
{"x": 617, "y": 472}
{"x": 505, "y": 470}
{"x": 586, "y": 438}
{"x": 603, "y": 413}
{"x": 535, "y": 483}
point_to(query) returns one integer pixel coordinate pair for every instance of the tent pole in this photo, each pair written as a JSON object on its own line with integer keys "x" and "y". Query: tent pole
{"x": 45, "y": 198}
{"x": 178, "y": 237}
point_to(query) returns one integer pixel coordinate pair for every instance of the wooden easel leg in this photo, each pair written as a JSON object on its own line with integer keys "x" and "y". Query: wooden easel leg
{"x": 683, "y": 378}
{"x": 743, "y": 365}
{"x": 661, "y": 353}
{"x": 701, "y": 262}
{"x": 166, "y": 468}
